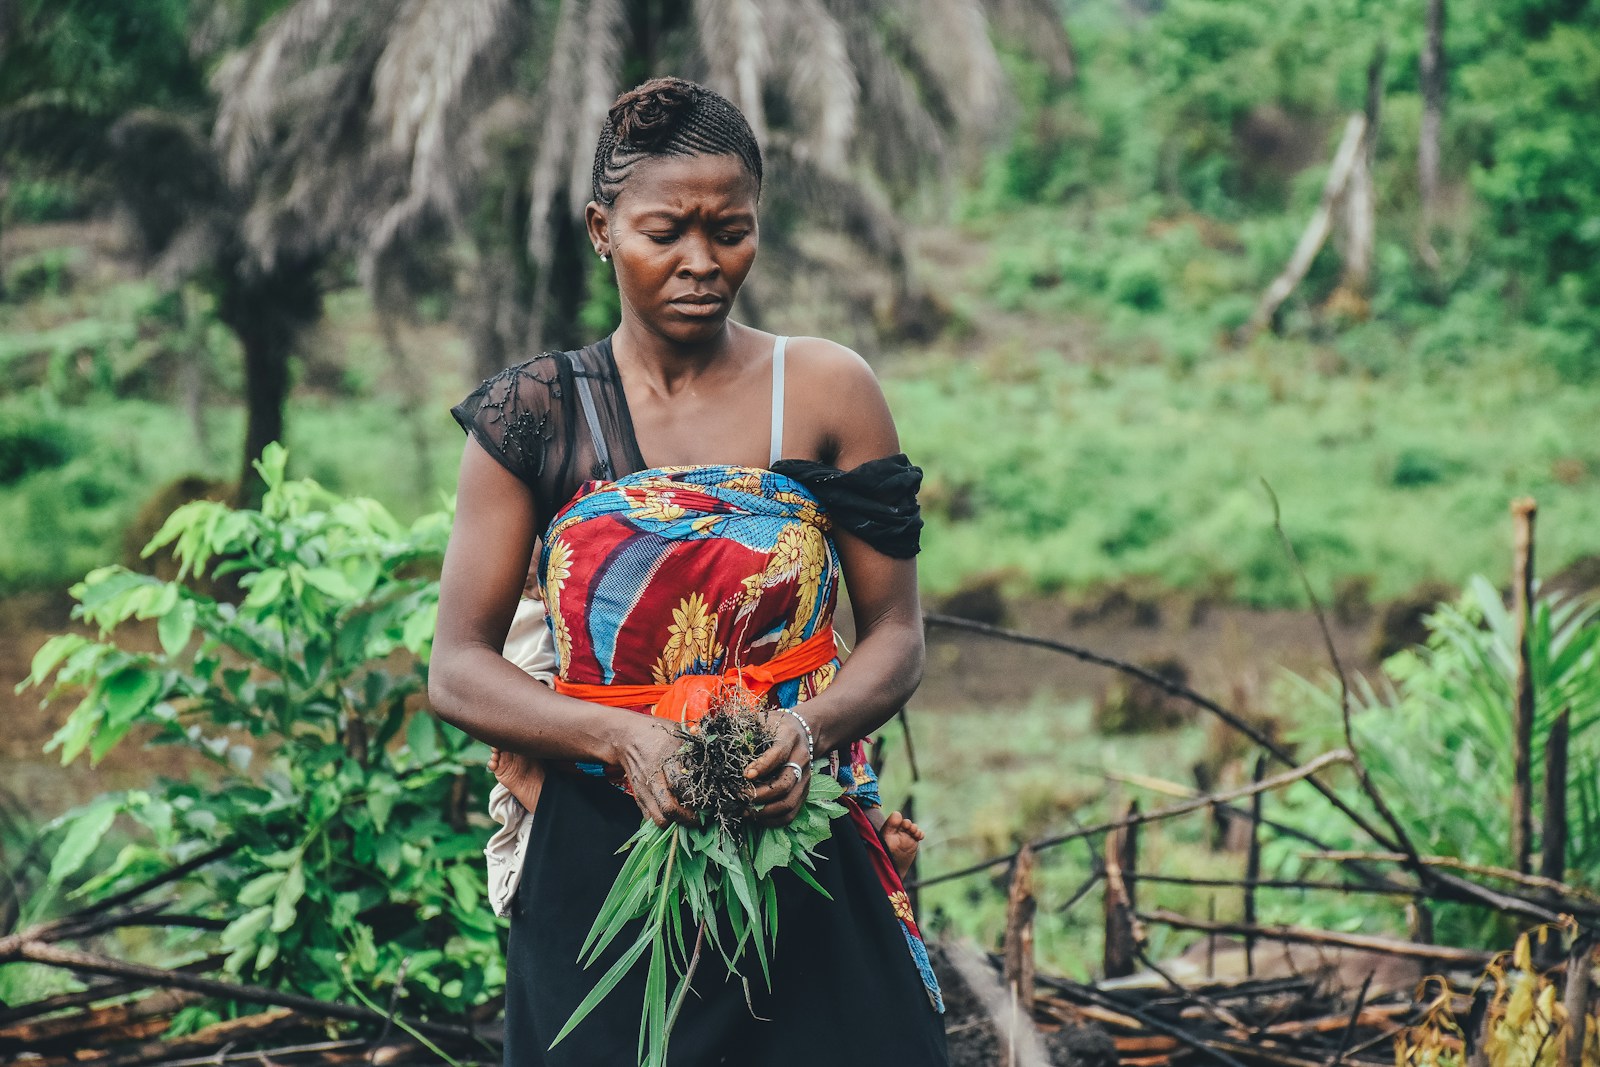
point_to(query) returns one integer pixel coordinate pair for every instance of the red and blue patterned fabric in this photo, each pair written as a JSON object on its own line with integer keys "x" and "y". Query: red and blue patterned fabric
{"x": 699, "y": 570}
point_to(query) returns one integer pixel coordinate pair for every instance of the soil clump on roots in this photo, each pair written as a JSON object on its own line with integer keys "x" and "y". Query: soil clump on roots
{"x": 707, "y": 771}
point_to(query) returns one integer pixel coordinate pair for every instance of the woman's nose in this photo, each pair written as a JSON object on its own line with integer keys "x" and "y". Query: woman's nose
{"x": 699, "y": 260}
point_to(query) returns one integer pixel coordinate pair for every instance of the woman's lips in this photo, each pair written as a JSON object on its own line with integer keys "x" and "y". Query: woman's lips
{"x": 699, "y": 307}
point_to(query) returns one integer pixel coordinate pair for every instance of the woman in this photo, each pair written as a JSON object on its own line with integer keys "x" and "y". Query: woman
{"x": 676, "y": 544}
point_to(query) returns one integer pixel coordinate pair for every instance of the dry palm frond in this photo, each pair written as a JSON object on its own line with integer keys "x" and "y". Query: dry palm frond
{"x": 248, "y": 83}
{"x": 733, "y": 40}
{"x": 819, "y": 81}
{"x": 431, "y": 72}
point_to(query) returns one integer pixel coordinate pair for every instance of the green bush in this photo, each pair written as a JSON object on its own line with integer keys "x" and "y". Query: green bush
{"x": 351, "y": 857}
{"x": 28, "y": 445}
{"x": 1438, "y": 744}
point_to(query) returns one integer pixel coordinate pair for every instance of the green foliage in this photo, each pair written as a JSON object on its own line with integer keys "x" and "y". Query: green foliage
{"x": 1151, "y": 469}
{"x": 1439, "y": 744}
{"x": 707, "y": 872}
{"x": 98, "y": 56}
{"x": 351, "y": 856}
{"x": 42, "y": 200}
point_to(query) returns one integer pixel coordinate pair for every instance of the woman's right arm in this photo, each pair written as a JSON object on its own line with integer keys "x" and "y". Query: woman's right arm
{"x": 474, "y": 688}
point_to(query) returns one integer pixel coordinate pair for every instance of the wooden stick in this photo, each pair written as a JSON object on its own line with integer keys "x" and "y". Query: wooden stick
{"x": 1579, "y": 964}
{"x": 1018, "y": 945}
{"x": 1166, "y": 685}
{"x": 1252, "y": 869}
{"x": 1305, "y": 936}
{"x": 1316, "y": 231}
{"x": 1573, "y": 894}
{"x": 1523, "y": 512}
{"x": 1306, "y": 771}
{"x": 1553, "y": 836}
{"x": 1121, "y": 940}
{"x": 89, "y": 963}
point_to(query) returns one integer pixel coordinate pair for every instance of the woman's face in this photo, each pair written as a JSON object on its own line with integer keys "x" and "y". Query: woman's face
{"x": 682, "y": 236}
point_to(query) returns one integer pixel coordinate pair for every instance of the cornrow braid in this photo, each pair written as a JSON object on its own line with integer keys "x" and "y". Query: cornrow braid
{"x": 669, "y": 117}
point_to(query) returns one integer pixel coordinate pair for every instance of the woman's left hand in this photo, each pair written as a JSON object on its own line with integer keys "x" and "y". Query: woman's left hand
{"x": 781, "y": 775}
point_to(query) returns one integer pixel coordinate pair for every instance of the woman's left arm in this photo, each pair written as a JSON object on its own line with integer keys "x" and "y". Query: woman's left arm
{"x": 885, "y": 666}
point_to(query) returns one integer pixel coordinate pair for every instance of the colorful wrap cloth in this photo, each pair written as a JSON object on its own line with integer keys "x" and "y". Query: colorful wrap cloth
{"x": 712, "y": 571}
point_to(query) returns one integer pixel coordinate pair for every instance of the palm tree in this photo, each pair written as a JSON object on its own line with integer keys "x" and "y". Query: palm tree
{"x": 113, "y": 94}
{"x": 362, "y": 126}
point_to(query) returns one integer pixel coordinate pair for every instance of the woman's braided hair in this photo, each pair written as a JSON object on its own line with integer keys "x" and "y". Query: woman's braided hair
{"x": 669, "y": 117}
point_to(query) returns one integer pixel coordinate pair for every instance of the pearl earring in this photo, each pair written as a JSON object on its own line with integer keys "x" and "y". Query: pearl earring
{"x": 604, "y": 258}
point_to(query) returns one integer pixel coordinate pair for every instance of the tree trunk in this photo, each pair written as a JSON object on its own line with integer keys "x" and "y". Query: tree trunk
{"x": 267, "y": 311}
{"x": 1432, "y": 79}
{"x": 1360, "y": 203}
{"x": 567, "y": 286}
{"x": 1316, "y": 231}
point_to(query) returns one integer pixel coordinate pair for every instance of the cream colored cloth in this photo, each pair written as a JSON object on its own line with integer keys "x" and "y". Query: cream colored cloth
{"x": 530, "y": 646}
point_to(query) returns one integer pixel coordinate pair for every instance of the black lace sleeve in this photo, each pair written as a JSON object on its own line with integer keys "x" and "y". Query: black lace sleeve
{"x": 513, "y": 416}
{"x": 876, "y": 501}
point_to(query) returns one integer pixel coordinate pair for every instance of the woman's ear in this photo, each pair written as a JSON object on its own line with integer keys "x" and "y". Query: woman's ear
{"x": 598, "y": 224}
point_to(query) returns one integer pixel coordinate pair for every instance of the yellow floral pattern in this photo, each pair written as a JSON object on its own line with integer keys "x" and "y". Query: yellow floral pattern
{"x": 691, "y": 638}
{"x": 658, "y": 506}
{"x": 556, "y": 572}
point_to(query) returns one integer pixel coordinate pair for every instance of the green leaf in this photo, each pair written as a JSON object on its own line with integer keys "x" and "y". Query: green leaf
{"x": 266, "y": 588}
{"x": 805, "y": 876}
{"x": 772, "y": 850}
{"x": 261, "y": 888}
{"x": 244, "y": 930}
{"x": 129, "y": 691}
{"x": 465, "y": 883}
{"x": 288, "y": 900}
{"x": 176, "y": 627}
{"x": 607, "y": 983}
{"x": 76, "y": 732}
{"x": 419, "y": 629}
{"x": 332, "y": 582}
{"x": 422, "y": 738}
{"x": 50, "y": 656}
{"x": 379, "y": 805}
{"x": 83, "y": 835}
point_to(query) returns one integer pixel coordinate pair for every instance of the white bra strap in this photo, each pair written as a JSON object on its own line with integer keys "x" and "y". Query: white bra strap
{"x": 777, "y": 400}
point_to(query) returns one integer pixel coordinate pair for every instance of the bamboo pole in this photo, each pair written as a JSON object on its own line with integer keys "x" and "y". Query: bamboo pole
{"x": 1523, "y": 512}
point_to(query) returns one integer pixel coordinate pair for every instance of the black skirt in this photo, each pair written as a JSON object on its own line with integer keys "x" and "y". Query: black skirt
{"x": 843, "y": 982}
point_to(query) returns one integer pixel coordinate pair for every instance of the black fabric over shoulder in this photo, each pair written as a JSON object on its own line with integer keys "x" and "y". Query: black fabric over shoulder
{"x": 876, "y": 501}
{"x": 528, "y": 417}
{"x": 510, "y": 415}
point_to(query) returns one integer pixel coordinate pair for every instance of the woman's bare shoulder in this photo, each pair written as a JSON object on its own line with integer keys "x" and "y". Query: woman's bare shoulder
{"x": 841, "y": 397}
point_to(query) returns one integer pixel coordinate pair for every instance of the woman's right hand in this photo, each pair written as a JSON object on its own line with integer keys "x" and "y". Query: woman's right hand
{"x": 643, "y": 756}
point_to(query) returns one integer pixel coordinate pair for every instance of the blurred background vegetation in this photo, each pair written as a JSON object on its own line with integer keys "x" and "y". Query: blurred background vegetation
{"x": 1049, "y": 225}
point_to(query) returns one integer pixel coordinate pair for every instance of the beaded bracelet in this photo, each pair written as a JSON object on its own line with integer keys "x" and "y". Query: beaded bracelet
{"x": 811, "y": 741}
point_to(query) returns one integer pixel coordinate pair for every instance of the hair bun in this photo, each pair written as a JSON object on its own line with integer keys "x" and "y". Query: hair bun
{"x": 648, "y": 116}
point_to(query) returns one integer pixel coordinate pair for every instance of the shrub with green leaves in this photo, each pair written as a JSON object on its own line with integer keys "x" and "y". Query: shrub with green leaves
{"x": 1439, "y": 743}
{"x": 291, "y": 651}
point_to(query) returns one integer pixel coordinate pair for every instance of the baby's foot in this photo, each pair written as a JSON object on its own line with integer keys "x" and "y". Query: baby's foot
{"x": 520, "y": 774}
{"x": 901, "y": 839}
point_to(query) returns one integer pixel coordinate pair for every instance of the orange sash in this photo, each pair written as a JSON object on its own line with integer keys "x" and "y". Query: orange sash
{"x": 687, "y": 698}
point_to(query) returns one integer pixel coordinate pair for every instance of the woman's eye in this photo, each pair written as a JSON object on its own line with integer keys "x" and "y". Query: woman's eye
{"x": 662, "y": 238}
{"x": 732, "y": 237}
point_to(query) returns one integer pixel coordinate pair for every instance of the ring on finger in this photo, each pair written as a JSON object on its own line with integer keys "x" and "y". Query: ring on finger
{"x": 799, "y": 771}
